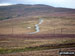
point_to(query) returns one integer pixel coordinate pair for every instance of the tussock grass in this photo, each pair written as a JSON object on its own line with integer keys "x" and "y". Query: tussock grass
{"x": 13, "y": 45}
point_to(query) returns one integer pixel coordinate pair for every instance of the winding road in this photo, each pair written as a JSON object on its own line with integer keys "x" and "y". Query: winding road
{"x": 37, "y": 28}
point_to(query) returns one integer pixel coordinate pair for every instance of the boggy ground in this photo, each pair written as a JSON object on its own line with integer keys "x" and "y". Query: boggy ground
{"x": 55, "y": 33}
{"x": 51, "y": 52}
{"x": 35, "y": 45}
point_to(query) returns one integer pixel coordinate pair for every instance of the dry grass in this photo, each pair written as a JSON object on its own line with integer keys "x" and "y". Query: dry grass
{"x": 50, "y": 25}
{"x": 51, "y": 52}
{"x": 17, "y": 27}
{"x": 25, "y": 46}
{"x": 10, "y": 45}
{"x": 54, "y": 26}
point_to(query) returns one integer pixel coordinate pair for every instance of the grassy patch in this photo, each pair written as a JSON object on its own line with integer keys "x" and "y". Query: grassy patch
{"x": 4, "y": 18}
{"x": 41, "y": 47}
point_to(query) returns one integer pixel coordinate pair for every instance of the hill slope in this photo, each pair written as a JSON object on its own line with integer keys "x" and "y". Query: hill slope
{"x": 20, "y": 10}
{"x": 22, "y": 19}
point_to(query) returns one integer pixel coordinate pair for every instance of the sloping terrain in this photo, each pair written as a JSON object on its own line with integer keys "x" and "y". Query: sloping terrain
{"x": 57, "y": 31}
{"x": 20, "y": 10}
{"x": 21, "y": 19}
{"x": 50, "y": 25}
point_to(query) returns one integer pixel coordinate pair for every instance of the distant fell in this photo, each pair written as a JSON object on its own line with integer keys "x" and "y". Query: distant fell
{"x": 21, "y": 10}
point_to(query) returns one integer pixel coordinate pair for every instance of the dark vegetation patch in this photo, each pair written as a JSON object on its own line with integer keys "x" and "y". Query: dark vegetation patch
{"x": 41, "y": 47}
{"x": 65, "y": 44}
{"x": 42, "y": 36}
{"x": 4, "y": 18}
